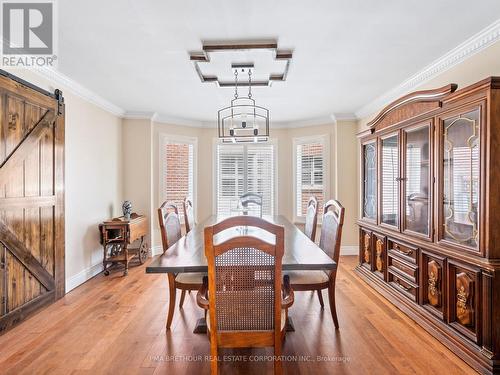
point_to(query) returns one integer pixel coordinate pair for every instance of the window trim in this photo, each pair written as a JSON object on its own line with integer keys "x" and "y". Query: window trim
{"x": 163, "y": 139}
{"x": 215, "y": 164}
{"x": 324, "y": 139}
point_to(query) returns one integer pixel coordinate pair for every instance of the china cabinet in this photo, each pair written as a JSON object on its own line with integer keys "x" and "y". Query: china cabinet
{"x": 430, "y": 210}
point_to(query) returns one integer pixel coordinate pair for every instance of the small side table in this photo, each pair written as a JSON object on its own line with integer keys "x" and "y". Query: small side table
{"x": 117, "y": 235}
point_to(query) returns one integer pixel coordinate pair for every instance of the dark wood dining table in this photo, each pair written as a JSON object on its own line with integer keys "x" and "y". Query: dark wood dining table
{"x": 188, "y": 255}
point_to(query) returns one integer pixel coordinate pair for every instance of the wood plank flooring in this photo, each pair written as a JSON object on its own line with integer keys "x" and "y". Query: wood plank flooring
{"x": 116, "y": 325}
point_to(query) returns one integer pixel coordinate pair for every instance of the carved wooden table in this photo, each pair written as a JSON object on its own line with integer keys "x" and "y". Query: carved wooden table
{"x": 117, "y": 235}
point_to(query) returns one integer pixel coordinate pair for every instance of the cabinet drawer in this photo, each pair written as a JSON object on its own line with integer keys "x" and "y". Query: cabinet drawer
{"x": 403, "y": 268}
{"x": 406, "y": 252}
{"x": 404, "y": 286}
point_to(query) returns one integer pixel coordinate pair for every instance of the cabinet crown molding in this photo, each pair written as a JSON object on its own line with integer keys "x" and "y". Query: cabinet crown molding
{"x": 410, "y": 106}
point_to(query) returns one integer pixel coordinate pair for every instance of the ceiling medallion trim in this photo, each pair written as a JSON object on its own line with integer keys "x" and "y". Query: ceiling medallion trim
{"x": 203, "y": 56}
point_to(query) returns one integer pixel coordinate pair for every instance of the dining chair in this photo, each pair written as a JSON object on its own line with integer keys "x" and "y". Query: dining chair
{"x": 188, "y": 214}
{"x": 311, "y": 218}
{"x": 248, "y": 200}
{"x": 330, "y": 238}
{"x": 243, "y": 295}
{"x": 170, "y": 228}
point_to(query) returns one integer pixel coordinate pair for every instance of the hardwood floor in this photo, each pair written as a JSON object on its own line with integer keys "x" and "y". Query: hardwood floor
{"x": 116, "y": 325}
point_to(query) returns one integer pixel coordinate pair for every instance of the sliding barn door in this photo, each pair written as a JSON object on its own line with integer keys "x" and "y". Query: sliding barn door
{"x": 31, "y": 200}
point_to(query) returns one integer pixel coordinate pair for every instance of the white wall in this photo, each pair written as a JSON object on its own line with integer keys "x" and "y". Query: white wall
{"x": 93, "y": 178}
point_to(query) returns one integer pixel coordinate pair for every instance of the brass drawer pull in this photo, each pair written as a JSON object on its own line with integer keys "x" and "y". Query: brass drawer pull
{"x": 397, "y": 248}
{"x": 406, "y": 289}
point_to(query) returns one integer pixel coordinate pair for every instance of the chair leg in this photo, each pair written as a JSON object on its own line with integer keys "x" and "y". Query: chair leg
{"x": 183, "y": 295}
{"x": 278, "y": 365}
{"x": 320, "y": 297}
{"x": 213, "y": 356}
{"x": 171, "y": 304}
{"x": 331, "y": 298}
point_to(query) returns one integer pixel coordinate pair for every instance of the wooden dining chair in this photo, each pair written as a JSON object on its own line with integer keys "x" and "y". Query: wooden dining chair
{"x": 245, "y": 300}
{"x": 311, "y": 219}
{"x": 188, "y": 214}
{"x": 331, "y": 233}
{"x": 249, "y": 200}
{"x": 170, "y": 228}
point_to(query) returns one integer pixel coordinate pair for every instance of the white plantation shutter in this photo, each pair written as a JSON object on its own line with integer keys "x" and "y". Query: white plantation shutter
{"x": 230, "y": 177}
{"x": 177, "y": 172}
{"x": 310, "y": 173}
{"x": 242, "y": 169}
{"x": 389, "y": 176}
{"x": 260, "y": 174}
{"x": 413, "y": 172}
{"x": 465, "y": 172}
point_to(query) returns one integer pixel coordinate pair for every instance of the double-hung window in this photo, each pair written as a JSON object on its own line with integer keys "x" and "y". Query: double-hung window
{"x": 245, "y": 169}
{"x": 177, "y": 163}
{"x": 310, "y": 172}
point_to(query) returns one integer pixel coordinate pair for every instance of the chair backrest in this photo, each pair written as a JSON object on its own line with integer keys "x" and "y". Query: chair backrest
{"x": 188, "y": 214}
{"x": 311, "y": 219}
{"x": 249, "y": 200}
{"x": 244, "y": 281}
{"x": 170, "y": 225}
{"x": 331, "y": 229}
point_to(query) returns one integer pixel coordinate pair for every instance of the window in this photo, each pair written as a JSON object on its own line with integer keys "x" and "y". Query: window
{"x": 310, "y": 166}
{"x": 242, "y": 169}
{"x": 177, "y": 169}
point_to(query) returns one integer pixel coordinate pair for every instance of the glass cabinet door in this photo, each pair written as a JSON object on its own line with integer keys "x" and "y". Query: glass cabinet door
{"x": 370, "y": 180}
{"x": 390, "y": 180}
{"x": 416, "y": 180}
{"x": 460, "y": 168}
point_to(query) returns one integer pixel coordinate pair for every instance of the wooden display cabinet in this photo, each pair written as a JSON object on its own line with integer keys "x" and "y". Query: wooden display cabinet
{"x": 430, "y": 212}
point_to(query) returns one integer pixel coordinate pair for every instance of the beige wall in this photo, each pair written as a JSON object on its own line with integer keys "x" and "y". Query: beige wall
{"x": 92, "y": 178}
{"x": 484, "y": 64}
{"x": 142, "y": 164}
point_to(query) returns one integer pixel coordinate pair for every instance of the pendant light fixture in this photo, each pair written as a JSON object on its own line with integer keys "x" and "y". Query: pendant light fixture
{"x": 243, "y": 121}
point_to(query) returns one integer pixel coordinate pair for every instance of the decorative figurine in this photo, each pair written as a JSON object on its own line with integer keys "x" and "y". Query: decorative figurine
{"x": 127, "y": 209}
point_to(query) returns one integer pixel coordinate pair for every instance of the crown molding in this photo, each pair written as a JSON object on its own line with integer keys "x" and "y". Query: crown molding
{"x": 138, "y": 115}
{"x": 59, "y": 79}
{"x": 462, "y": 52}
{"x": 316, "y": 121}
{"x": 345, "y": 117}
{"x": 171, "y": 120}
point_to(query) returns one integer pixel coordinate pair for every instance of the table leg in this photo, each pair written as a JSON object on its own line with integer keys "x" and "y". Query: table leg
{"x": 171, "y": 304}
{"x": 201, "y": 326}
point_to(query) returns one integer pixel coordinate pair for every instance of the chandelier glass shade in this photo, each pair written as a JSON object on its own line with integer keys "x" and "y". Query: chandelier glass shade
{"x": 243, "y": 121}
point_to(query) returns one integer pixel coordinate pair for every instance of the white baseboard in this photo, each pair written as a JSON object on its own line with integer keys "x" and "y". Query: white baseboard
{"x": 349, "y": 250}
{"x": 156, "y": 250}
{"x": 82, "y": 276}
{"x": 88, "y": 273}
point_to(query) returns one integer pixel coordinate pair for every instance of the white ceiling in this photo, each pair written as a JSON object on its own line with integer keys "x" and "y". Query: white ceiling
{"x": 135, "y": 54}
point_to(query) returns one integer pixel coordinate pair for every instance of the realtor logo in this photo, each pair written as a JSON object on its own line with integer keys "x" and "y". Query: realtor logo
{"x": 28, "y": 33}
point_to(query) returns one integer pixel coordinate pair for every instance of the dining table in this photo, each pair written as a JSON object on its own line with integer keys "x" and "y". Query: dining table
{"x": 188, "y": 255}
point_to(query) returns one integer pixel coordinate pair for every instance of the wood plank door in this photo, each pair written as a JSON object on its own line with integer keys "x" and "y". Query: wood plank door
{"x": 31, "y": 199}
